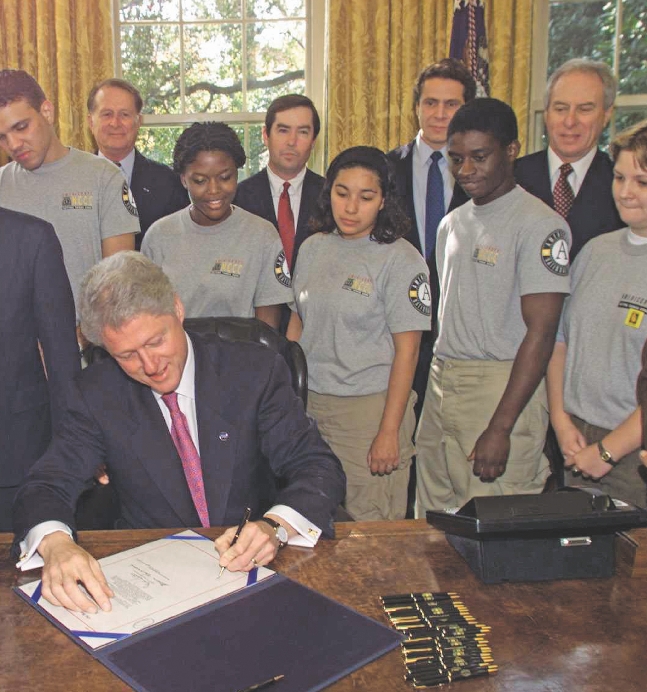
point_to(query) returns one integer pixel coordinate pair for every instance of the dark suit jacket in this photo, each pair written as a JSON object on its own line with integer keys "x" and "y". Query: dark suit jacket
{"x": 593, "y": 211}
{"x": 255, "y": 195}
{"x": 157, "y": 191}
{"x": 251, "y": 426}
{"x": 36, "y": 304}
{"x": 402, "y": 160}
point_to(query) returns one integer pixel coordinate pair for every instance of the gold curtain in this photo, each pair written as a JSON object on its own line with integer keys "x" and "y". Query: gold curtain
{"x": 378, "y": 47}
{"x": 67, "y": 46}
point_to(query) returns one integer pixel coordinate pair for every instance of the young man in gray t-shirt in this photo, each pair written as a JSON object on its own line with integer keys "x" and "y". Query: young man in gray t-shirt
{"x": 85, "y": 198}
{"x": 503, "y": 266}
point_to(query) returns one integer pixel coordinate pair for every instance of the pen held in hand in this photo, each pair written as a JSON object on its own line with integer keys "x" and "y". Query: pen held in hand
{"x": 247, "y": 514}
{"x": 262, "y": 685}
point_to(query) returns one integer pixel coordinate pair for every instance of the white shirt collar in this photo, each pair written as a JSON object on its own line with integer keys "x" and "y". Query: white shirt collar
{"x": 126, "y": 164}
{"x": 276, "y": 182}
{"x": 423, "y": 151}
{"x": 186, "y": 388}
{"x": 580, "y": 168}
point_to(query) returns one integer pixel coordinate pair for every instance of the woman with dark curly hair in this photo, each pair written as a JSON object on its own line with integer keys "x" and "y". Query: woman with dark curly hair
{"x": 362, "y": 300}
{"x": 221, "y": 259}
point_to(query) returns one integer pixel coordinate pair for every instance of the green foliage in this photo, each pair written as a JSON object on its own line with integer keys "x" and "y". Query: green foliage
{"x": 206, "y": 69}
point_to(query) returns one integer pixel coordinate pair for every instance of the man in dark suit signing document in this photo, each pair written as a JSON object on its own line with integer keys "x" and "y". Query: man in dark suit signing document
{"x": 192, "y": 430}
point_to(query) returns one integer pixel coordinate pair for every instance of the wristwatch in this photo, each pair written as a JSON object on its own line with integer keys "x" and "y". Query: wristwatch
{"x": 280, "y": 532}
{"x": 605, "y": 455}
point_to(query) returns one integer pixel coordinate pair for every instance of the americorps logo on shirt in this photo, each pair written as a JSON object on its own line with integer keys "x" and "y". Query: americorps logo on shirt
{"x": 128, "y": 199}
{"x": 554, "y": 253}
{"x": 361, "y": 285}
{"x": 77, "y": 200}
{"x": 420, "y": 294}
{"x": 281, "y": 270}
{"x": 228, "y": 267}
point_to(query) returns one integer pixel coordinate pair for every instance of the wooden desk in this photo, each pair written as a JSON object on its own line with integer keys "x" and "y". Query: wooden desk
{"x": 568, "y": 636}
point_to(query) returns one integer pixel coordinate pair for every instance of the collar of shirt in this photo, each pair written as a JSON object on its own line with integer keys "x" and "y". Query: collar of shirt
{"x": 125, "y": 164}
{"x": 185, "y": 396}
{"x": 580, "y": 168}
{"x": 276, "y": 183}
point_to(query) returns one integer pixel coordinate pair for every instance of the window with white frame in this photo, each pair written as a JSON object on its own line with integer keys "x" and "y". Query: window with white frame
{"x": 614, "y": 31}
{"x": 225, "y": 60}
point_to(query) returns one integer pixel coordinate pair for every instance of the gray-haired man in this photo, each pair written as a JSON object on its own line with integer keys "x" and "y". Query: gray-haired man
{"x": 241, "y": 424}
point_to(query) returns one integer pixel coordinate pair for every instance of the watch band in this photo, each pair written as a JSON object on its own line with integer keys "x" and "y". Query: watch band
{"x": 605, "y": 454}
{"x": 277, "y": 527}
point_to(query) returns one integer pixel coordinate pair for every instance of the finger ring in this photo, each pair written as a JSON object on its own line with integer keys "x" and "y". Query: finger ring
{"x": 575, "y": 470}
{"x": 254, "y": 562}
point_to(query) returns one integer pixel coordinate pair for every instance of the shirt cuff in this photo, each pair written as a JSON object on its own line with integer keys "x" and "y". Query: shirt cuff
{"x": 29, "y": 558}
{"x": 307, "y": 532}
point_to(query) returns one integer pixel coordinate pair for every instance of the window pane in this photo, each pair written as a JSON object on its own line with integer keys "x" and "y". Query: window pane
{"x": 275, "y": 9}
{"x": 149, "y": 58}
{"x": 134, "y": 10}
{"x": 211, "y": 9}
{"x": 212, "y": 56}
{"x": 158, "y": 142}
{"x": 580, "y": 30}
{"x": 275, "y": 60}
{"x": 625, "y": 117}
{"x": 633, "y": 55}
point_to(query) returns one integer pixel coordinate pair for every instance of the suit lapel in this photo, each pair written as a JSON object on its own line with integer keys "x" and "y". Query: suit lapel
{"x": 265, "y": 198}
{"x": 152, "y": 443}
{"x": 407, "y": 168}
{"x": 217, "y": 435}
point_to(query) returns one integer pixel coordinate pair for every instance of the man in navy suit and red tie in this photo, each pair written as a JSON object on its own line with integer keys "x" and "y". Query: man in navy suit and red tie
{"x": 192, "y": 430}
{"x": 425, "y": 184}
{"x": 285, "y": 191}
{"x": 573, "y": 176}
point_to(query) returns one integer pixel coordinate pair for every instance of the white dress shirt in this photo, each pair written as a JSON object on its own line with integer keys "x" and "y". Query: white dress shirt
{"x": 580, "y": 168}
{"x": 126, "y": 164}
{"x": 307, "y": 532}
{"x": 421, "y": 153}
{"x": 296, "y": 186}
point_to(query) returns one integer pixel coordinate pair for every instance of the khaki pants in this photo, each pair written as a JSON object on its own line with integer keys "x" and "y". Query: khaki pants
{"x": 460, "y": 400}
{"x": 349, "y": 424}
{"x": 624, "y": 482}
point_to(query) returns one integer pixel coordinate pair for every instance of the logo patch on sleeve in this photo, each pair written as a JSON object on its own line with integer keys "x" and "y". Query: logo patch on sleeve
{"x": 420, "y": 294}
{"x": 281, "y": 270}
{"x": 128, "y": 200}
{"x": 554, "y": 253}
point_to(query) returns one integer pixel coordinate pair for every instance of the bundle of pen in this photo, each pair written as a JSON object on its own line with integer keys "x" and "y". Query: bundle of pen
{"x": 444, "y": 642}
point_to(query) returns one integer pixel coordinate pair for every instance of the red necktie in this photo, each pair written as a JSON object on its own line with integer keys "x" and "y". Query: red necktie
{"x": 286, "y": 223}
{"x": 563, "y": 193}
{"x": 189, "y": 456}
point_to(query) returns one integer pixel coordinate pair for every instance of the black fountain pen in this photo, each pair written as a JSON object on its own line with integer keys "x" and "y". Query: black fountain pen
{"x": 243, "y": 521}
{"x": 262, "y": 685}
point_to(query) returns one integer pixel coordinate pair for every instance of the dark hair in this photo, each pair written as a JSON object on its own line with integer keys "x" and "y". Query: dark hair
{"x": 286, "y": 103}
{"x": 17, "y": 85}
{"x": 448, "y": 68}
{"x": 392, "y": 223}
{"x": 117, "y": 84}
{"x": 486, "y": 115}
{"x": 634, "y": 140}
{"x": 208, "y": 136}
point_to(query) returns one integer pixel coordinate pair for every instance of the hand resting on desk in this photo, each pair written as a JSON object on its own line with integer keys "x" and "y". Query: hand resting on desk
{"x": 67, "y": 564}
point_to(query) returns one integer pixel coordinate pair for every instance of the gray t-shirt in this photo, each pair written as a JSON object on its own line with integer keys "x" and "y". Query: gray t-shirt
{"x": 84, "y": 197}
{"x": 352, "y": 295}
{"x": 605, "y": 327}
{"x": 489, "y": 256}
{"x": 223, "y": 270}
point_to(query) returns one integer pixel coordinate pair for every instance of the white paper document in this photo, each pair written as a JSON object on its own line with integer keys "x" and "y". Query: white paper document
{"x": 152, "y": 583}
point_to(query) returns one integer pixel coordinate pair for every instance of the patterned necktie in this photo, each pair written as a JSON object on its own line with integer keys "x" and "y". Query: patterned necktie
{"x": 563, "y": 193}
{"x": 435, "y": 202}
{"x": 286, "y": 223}
{"x": 189, "y": 456}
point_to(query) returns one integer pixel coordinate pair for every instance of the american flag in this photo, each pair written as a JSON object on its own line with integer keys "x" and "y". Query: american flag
{"x": 469, "y": 42}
